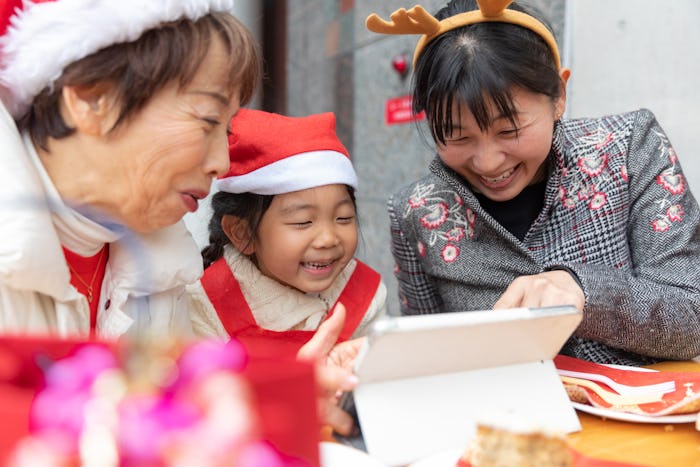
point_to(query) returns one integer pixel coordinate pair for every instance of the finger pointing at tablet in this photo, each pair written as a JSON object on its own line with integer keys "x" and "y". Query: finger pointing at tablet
{"x": 545, "y": 289}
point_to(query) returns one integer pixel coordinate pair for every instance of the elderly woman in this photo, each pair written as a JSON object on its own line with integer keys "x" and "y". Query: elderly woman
{"x": 120, "y": 116}
{"x": 113, "y": 124}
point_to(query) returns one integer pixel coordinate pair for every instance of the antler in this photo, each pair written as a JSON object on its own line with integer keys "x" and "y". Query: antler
{"x": 413, "y": 21}
{"x": 418, "y": 21}
{"x": 493, "y": 7}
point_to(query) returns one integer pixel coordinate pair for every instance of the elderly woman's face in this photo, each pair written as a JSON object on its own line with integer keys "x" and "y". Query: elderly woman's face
{"x": 170, "y": 151}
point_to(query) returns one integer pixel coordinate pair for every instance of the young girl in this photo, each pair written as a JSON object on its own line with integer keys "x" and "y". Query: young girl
{"x": 522, "y": 208}
{"x": 282, "y": 238}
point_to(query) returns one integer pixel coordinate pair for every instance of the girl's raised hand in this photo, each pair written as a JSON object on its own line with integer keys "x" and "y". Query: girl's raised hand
{"x": 333, "y": 369}
{"x": 549, "y": 288}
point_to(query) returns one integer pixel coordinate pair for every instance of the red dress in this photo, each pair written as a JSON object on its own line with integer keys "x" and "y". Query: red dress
{"x": 233, "y": 310}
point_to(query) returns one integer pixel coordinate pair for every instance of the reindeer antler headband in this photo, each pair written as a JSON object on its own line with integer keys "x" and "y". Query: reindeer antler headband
{"x": 418, "y": 21}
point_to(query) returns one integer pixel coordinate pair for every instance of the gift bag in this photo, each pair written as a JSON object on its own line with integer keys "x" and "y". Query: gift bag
{"x": 269, "y": 402}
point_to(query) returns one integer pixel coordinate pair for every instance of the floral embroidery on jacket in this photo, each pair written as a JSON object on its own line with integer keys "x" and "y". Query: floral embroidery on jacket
{"x": 673, "y": 184}
{"x": 444, "y": 216}
{"x": 436, "y": 216}
{"x": 450, "y": 253}
{"x": 581, "y": 186}
{"x": 675, "y": 213}
{"x": 594, "y": 165}
{"x": 597, "y": 201}
{"x": 595, "y": 170}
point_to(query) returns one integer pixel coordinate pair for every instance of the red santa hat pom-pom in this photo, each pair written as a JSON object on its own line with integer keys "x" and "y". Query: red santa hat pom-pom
{"x": 273, "y": 154}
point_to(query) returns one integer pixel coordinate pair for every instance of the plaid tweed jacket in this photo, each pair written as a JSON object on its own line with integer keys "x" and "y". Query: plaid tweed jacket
{"x": 617, "y": 212}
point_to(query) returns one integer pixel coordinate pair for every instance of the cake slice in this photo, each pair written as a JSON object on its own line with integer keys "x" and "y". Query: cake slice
{"x": 496, "y": 447}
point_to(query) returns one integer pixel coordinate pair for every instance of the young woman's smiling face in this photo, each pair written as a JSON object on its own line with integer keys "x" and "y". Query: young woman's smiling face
{"x": 505, "y": 158}
{"x": 306, "y": 238}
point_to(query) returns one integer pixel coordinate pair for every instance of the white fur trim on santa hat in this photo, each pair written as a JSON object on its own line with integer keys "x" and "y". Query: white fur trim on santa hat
{"x": 294, "y": 173}
{"x": 46, "y": 37}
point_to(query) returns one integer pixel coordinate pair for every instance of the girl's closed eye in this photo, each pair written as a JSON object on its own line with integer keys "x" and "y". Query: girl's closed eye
{"x": 458, "y": 135}
{"x": 299, "y": 223}
{"x": 509, "y": 132}
{"x": 346, "y": 219}
{"x": 457, "y": 139}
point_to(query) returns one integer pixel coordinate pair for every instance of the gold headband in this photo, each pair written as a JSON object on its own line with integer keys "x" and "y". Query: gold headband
{"x": 418, "y": 21}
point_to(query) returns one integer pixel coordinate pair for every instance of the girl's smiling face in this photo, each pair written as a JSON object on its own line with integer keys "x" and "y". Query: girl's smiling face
{"x": 502, "y": 160}
{"x": 307, "y": 237}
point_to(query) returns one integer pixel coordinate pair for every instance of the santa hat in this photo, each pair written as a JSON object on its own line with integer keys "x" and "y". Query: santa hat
{"x": 39, "y": 38}
{"x": 273, "y": 154}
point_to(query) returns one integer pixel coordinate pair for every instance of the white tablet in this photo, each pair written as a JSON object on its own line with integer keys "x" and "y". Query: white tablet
{"x": 409, "y": 346}
{"x": 427, "y": 381}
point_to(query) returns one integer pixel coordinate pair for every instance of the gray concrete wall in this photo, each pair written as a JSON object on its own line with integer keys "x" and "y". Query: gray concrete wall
{"x": 627, "y": 54}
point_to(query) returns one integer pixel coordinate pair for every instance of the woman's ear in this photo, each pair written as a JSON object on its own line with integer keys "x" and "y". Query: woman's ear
{"x": 239, "y": 234}
{"x": 87, "y": 109}
{"x": 560, "y": 106}
{"x": 565, "y": 74}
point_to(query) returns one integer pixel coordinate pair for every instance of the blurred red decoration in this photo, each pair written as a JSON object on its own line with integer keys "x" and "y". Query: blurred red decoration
{"x": 400, "y": 64}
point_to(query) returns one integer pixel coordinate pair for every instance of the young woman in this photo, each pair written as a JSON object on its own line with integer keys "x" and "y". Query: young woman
{"x": 523, "y": 208}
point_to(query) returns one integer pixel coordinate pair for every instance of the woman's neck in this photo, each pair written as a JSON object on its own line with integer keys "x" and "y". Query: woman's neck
{"x": 78, "y": 230}
{"x": 80, "y": 176}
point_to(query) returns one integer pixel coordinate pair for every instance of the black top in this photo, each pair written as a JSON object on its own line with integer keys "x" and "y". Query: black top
{"x": 517, "y": 214}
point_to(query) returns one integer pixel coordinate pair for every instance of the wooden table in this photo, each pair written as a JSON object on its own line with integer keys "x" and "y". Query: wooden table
{"x": 649, "y": 444}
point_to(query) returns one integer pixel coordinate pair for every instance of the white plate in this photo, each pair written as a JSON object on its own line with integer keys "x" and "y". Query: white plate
{"x": 340, "y": 455}
{"x": 447, "y": 458}
{"x": 633, "y": 417}
{"x": 630, "y": 368}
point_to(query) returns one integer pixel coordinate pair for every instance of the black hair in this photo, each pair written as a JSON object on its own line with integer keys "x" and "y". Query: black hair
{"x": 249, "y": 207}
{"x": 478, "y": 64}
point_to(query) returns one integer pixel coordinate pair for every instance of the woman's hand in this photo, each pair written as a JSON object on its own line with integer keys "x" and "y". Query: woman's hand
{"x": 333, "y": 369}
{"x": 545, "y": 289}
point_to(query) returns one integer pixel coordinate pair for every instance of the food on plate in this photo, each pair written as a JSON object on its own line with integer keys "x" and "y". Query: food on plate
{"x": 628, "y": 389}
{"x": 496, "y": 447}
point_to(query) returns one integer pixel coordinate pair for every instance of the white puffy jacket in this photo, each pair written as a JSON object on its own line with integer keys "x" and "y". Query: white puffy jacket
{"x": 144, "y": 286}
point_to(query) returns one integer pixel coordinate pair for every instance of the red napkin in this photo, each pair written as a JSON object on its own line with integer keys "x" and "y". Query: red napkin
{"x": 684, "y": 398}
